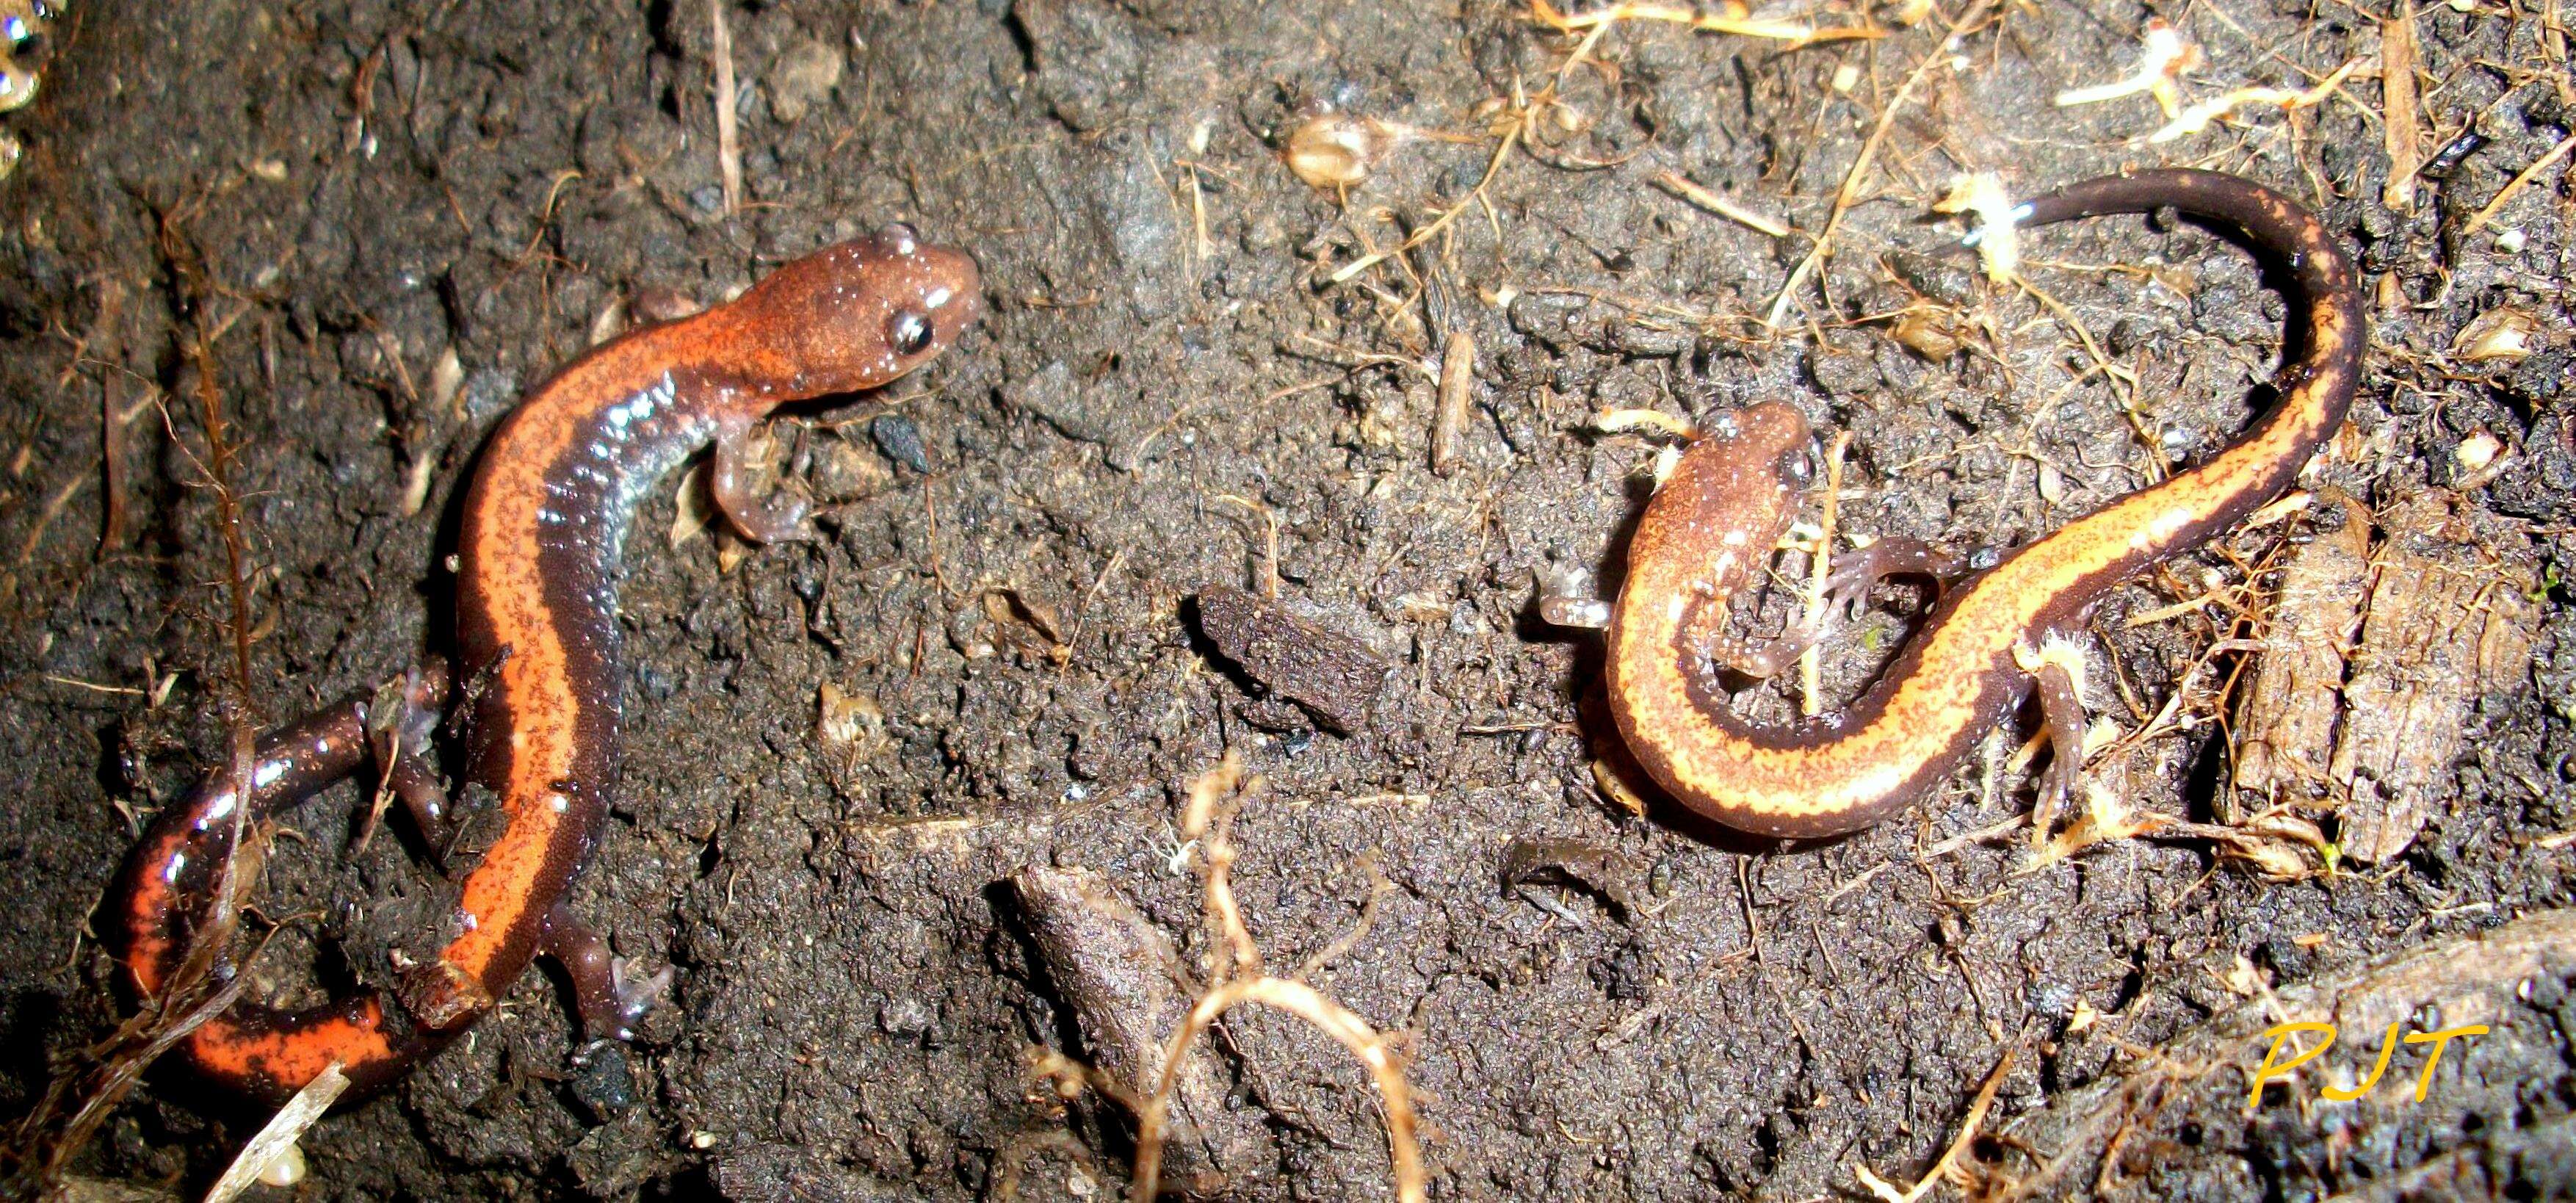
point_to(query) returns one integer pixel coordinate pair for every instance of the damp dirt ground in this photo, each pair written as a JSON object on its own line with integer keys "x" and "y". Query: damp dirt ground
{"x": 390, "y": 220}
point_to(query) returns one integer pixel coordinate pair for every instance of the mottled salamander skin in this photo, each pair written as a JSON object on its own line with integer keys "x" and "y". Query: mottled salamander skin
{"x": 543, "y": 538}
{"x": 1713, "y": 525}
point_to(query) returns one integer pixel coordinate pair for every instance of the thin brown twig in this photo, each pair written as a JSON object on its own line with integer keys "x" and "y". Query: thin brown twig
{"x": 2514, "y": 185}
{"x": 2405, "y": 142}
{"x": 46, "y": 1140}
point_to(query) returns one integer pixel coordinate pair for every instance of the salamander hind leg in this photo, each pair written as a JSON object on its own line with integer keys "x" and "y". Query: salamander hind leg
{"x": 777, "y": 518}
{"x": 402, "y": 723}
{"x": 611, "y": 1000}
{"x": 2056, "y": 668}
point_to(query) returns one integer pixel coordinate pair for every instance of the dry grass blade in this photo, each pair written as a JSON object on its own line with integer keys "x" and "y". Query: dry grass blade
{"x": 2514, "y": 185}
{"x": 1716, "y": 202}
{"x": 277, "y": 1138}
{"x": 1949, "y": 1159}
{"x": 1858, "y": 177}
{"x": 1677, "y": 14}
{"x": 1820, "y": 568}
{"x": 728, "y": 123}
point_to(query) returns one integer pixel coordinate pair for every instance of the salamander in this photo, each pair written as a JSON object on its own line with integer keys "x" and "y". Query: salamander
{"x": 544, "y": 527}
{"x": 1991, "y": 637}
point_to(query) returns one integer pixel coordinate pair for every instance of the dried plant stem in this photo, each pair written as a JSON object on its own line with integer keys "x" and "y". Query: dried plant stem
{"x": 728, "y": 123}
{"x": 1304, "y": 1001}
{"x": 1820, "y": 566}
{"x": 1858, "y": 177}
{"x": 1214, "y": 797}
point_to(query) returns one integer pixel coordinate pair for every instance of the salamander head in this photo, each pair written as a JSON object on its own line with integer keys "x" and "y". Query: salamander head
{"x": 858, "y": 314}
{"x": 1770, "y": 430}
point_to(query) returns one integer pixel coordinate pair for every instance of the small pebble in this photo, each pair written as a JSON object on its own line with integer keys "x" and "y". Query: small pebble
{"x": 803, "y": 78}
{"x": 900, "y": 439}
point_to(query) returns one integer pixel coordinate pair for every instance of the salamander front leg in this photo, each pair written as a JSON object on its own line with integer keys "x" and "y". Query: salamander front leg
{"x": 1846, "y": 588}
{"x": 777, "y": 518}
{"x": 611, "y": 1002}
{"x": 1857, "y": 570}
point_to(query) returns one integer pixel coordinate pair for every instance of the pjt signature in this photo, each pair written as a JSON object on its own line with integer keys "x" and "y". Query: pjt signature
{"x": 2275, "y": 1069}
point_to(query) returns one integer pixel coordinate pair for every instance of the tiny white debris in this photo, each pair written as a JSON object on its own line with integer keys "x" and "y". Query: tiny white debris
{"x": 2164, "y": 55}
{"x": 1666, "y": 459}
{"x": 1998, "y": 243}
{"x": 285, "y": 1169}
{"x": 2477, "y": 451}
{"x": 1578, "y": 613}
{"x": 2500, "y": 334}
{"x": 2198, "y": 117}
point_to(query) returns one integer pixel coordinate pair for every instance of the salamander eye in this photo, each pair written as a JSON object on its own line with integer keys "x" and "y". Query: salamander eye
{"x": 908, "y": 333}
{"x": 899, "y": 237}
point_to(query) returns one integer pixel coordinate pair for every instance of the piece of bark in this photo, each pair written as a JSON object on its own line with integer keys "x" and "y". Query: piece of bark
{"x": 2172, "y": 1120}
{"x": 1333, "y": 677}
{"x": 1120, "y": 976}
{"x": 2447, "y": 625}
{"x": 2286, "y": 726}
{"x": 1581, "y": 863}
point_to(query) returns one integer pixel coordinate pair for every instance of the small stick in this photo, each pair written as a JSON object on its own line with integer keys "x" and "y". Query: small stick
{"x": 2397, "y": 105}
{"x": 2515, "y": 184}
{"x": 111, "y": 425}
{"x": 1334, "y": 1020}
{"x": 1269, "y": 543}
{"x": 728, "y": 133}
{"x": 1716, "y": 202}
{"x": 1820, "y": 565}
{"x": 1457, "y": 385}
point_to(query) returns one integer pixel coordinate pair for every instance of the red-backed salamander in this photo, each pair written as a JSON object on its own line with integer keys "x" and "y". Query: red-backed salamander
{"x": 544, "y": 529}
{"x": 1992, "y": 637}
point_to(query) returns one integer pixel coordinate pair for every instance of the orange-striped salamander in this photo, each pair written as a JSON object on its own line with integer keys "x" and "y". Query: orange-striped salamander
{"x": 544, "y": 528}
{"x": 1993, "y": 636}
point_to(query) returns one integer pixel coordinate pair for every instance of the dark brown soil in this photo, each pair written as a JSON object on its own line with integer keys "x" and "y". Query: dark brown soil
{"x": 351, "y": 192}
